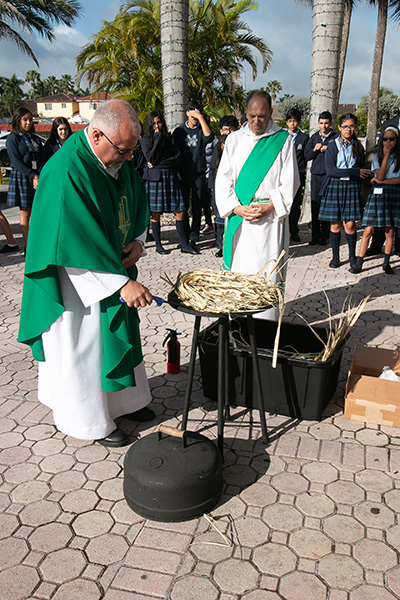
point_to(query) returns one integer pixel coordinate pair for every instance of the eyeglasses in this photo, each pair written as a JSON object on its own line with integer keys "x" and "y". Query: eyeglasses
{"x": 386, "y": 139}
{"x": 120, "y": 152}
{"x": 347, "y": 126}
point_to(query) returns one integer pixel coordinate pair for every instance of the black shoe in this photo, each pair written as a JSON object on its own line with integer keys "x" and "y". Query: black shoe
{"x": 334, "y": 264}
{"x": 163, "y": 251}
{"x": 388, "y": 269}
{"x": 353, "y": 262}
{"x": 323, "y": 241}
{"x": 190, "y": 250}
{"x": 313, "y": 243}
{"x": 116, "y": 439}
{"x": 141, "y": 416}
{"x": 356, "y": 268}
{"x": 149, "y": 237}
{"x": 295, "y": 237}
{"x": 219, "y": 254}
{"x": 6, "y": 249}
{"x": 193, "y": 245}
{"x": 373, "y": 251}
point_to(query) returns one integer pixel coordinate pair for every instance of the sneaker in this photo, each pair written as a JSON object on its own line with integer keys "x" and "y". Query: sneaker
{"x": 7, "y": 249}
{"x": 207, "y": 229}
{"x": 334, "y": 264}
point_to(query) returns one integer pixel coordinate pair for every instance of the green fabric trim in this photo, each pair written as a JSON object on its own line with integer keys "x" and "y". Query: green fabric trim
{"x": 254, "y": 170}
{"x": 83, "y": 218}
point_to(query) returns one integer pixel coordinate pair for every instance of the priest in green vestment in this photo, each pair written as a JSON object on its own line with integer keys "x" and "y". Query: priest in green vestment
{"x": 88, "y": 226}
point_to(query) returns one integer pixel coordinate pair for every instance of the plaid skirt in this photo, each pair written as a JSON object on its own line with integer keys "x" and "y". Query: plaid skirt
{"x": 165, "y": 196}
{"x": 383, "y": 210}
{"x": 342, "y": 201}
{"x": 20, "y": 190}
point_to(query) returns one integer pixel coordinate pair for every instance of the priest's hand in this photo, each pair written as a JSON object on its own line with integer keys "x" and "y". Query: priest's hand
{"x": 254, "y": 212}
{"x": 132, "y": 253}
{"x": 135, "y": 294}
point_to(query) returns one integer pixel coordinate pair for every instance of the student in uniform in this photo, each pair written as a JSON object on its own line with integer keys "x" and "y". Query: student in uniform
{"x": 299, "y": 139}
{"x": 342, "y": 192}
{"x": 315, "y": 151}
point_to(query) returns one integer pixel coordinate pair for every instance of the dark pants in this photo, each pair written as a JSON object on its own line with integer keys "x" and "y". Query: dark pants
{"x": 193, "y": 194}
{"x": 295, "y": 211}
{"x": 319, "y": 229}
{"x": 219, "y": 223}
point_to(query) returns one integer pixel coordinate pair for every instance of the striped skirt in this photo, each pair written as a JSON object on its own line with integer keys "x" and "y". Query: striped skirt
{"x": 165, "y": 195}
{"x": 20, "y": 190}
{"x": 383, "y": 210}
{"x": 342, "y": 201}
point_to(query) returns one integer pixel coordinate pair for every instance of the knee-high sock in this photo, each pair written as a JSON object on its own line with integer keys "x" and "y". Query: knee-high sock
{"x": 335, "y": 243}
{"x": 351, "y": 242}
{"x": 183, "y": 230}
{"x": 156, "y": 229}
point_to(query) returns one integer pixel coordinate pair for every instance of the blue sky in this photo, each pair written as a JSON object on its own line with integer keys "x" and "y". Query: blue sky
{"x": 284, "y": 24}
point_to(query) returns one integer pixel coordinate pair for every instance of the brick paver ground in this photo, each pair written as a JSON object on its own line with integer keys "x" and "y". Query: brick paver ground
{"x": 314, "y": 515}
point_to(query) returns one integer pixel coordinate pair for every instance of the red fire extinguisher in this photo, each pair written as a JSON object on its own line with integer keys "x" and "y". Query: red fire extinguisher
{"x": 173, "y": 352}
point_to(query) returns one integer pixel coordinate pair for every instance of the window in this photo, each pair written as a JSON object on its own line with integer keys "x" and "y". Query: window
{"x": 93, "y": 105}
{"x": 48, "y": 107}
{"x": 63, "y": 106}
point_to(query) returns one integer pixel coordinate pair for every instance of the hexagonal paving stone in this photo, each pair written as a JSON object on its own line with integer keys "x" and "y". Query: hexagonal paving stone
{"x": 374, "y": 514}
{"x": 195, "y": 588}
{"x": 370, "y": 592}
{"x": 80, "y": 588}
{"x": 239, "y": 475}
{"x": 340, "y": 572}
{"x": 12, "y": 552}
{"x": 235, "y": 576}
{"x": 14, "y": 455}
{"x": 374, "y": 481}
{"x": 21, "y": 473}
{"x": 370, "y": 437}
{"x": 30, "y": 491}
{"x": 393, "y": 537}
{"x": 93, "y": 523}
{"x": 79, "y": 501}
{"x": 274, "y": 559}
{"x": 251, "y": 532}
{"x": 8, "y": 524}
{"x": 57, "y": 463}
{"x": 122, "y": 513}
{"x": 299, "y": 586}
{"x": 375, "y": 555}
{"x": 392, "y": 499}
{"x": 48, "y": 447}
{"x": 63, "y": 565}
{"x": 50, "y": 537}
{"x": 393, "y": 579}
{"x": 342, "y": 528}
{"x": 289, "y": 483}
{"x": 18, "y": 582}
{"x": 320, "y": 472}
{"x": 345, "y": 492}
{"x": 325, "y": 431}
{"x": 107, "y": 549}
{"x": 209, "y": 546}
{"x": 259, "y": 494}
{"x": 309, "y": 543}
{"x": 68, "y": 482}
{"x": 39, "y": 513}
{"x": 10, "y": 439}
{"x": 91, "y": 454}
{"x": 315, "y": 505}
{"x": 101, "y": 471}
{"x": 270, "y": 465}
{"x": 282, "y": 517}
{"x": 112, "y": 489}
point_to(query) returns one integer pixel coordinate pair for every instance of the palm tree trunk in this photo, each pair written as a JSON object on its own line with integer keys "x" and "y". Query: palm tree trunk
{"x": 344, "y": 44}
{"x": 326, "y": 40}
{"x": 376, "y": 76}
{"x": 174, "y": 58}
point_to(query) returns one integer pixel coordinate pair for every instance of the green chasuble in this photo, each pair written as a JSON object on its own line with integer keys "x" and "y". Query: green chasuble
{"x": 82, "y": 218}
{"x": 254, "y": 170}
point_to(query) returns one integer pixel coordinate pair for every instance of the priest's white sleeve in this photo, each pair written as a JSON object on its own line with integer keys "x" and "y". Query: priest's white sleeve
{"x": 289, "y": 180}
{"x": 93, "y": 286}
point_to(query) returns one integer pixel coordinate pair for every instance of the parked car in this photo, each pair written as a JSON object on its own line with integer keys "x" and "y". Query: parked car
{"x": 4, "y": 158}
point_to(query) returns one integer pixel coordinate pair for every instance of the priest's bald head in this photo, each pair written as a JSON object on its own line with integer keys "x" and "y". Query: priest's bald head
{"x": 114, "y": 132}
{"x": 258, "y": 111}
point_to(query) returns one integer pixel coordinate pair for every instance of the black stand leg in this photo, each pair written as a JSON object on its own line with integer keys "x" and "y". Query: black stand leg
{"x": 192, "y": 364}
{"x": 222, "y": 368}
{"x": 257, "y": 378}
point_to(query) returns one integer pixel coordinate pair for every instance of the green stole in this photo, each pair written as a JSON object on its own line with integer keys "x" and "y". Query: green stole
{"x": 82, "y": 218}
{"x": 254, "y": 170}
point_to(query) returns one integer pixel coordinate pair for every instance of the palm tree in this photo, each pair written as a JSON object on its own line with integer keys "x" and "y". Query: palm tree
{"x": 52, "y": 84}
{"x": 35, "y": 16}
{"x": 174, "y": 37}
{"x": 273, "y": 87}
{"x": 11, "y": 95}
{"x": 66, "y": 83}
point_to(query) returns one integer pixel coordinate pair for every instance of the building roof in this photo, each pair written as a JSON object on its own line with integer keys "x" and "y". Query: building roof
{"x": 342, "y": 109}
{"x": 95, "y": 97}
{"x": 63, "y": 97}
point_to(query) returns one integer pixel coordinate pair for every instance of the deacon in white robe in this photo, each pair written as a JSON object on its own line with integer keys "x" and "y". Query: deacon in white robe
{"x": 263, "y": 232}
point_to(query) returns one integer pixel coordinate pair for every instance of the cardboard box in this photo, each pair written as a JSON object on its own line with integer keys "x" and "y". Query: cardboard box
{"x": 369, "y": 398}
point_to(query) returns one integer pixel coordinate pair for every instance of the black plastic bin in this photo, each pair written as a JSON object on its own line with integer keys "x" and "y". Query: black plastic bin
{"x": 296, "y": 388}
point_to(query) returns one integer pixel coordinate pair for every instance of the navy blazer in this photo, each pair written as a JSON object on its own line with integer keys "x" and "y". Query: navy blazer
{"x": 163, "y": 154}
{"x": 300, "y": 146}
{"x": 318, "y": 157}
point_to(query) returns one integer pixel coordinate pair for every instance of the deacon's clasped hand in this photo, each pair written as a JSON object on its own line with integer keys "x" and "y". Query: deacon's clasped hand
{"x": 135, "y": 294}
{"x": 132, "y": 253}
{"x": 254, "y": 212}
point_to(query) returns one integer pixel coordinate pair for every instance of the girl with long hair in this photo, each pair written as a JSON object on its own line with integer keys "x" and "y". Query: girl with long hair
{"x": 60, "y": 132}
{"x": 383, "y": 206}
{"x": 342, "y": 192}
{"x": 162, "y": 157}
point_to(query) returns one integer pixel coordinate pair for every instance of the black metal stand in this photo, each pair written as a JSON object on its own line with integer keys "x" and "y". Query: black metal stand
{"x": 223, "y": 376}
